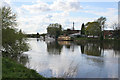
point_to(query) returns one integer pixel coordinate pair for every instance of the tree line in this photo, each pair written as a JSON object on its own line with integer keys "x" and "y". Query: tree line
{"x": 95, "y": 28}
{"x": 90, "y": 28}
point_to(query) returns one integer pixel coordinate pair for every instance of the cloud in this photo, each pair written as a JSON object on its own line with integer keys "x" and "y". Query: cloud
{"x": 66, "y": 6}
{"x": 4, "y": 3}
{"x": 39, "y": 16}
{"x": 30, "y": 25}
{"x": 7, "y": 1}
{"x": 41, "y": 21}
{"x": 58, "y": 5}
{"x": 37, "y": 7}
{"x": 33, "y": 24}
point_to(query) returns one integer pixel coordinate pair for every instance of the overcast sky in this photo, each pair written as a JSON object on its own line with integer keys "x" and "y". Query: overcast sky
{"x": 35, "y": 15}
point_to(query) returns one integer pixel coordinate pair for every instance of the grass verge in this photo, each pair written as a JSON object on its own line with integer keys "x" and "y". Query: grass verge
{"x": 12, "y": 70}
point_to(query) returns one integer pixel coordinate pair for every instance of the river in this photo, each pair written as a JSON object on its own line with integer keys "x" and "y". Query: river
{"x": 72, "y": 60}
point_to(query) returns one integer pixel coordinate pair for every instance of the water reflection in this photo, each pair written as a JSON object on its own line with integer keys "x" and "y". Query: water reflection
{"x": 76, "y": 60}
{"x": 99, "y": 49}
{"x": 82, "y": 49}
{"x": 54, "y": 48}
{"x": 37, "y": 39}
{"x": 92, "y": 49}
{"x": 67, "y": 44}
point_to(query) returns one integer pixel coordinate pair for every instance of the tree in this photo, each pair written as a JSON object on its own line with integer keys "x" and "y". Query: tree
{"x": 83, "y": 29}
{"x": 13, "y": 41}
{"x": 96, "y": 28}
{"x": 116, "y": 28}
{"x": 101, "y": 21}
{"x": 54, "y": 30}
{"x": 38, "y": 35}
{"x": 93, "y": 28}
{"x": 8, "y": 18}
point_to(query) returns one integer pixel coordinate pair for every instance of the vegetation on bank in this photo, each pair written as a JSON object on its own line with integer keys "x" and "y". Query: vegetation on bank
{"x": 90, "y": 29}
{"x": 33, "y": 35}
{"x": 93, "y": 39}
{"x": 13, "y": 40}
{"x": 12, "y": 69}
{"x": 86, "y": 40}
{"x": 14, "y": 44}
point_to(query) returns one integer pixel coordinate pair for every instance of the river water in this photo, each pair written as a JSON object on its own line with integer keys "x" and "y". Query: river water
{"x": 73, "y": 60}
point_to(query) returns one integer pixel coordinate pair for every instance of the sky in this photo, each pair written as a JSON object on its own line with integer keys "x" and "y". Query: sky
{"x": 35, "y": 15}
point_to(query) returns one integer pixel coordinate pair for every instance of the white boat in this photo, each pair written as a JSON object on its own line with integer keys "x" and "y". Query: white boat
{"x": 49, "y": 39}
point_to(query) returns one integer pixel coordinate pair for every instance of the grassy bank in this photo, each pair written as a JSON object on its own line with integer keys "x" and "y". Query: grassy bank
{"x": 85, "y": 40}
{"x": 93, "y": 39}
{"x": 13, "y": 70}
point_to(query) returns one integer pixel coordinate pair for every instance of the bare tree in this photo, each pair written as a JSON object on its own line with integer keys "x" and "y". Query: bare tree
{"x": 115, "y": 25}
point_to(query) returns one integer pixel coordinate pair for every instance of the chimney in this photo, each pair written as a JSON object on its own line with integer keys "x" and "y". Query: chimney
{"x": 73, "y": 25}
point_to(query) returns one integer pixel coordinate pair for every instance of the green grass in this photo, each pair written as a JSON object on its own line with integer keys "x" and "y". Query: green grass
{"x": 12, "y": 69}
{"x": 94, "y": 39}
{"x": 84, "y": 40}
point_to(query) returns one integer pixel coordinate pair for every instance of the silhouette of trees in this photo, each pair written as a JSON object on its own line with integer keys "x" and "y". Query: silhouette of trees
{"x": 83, "y": 29}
